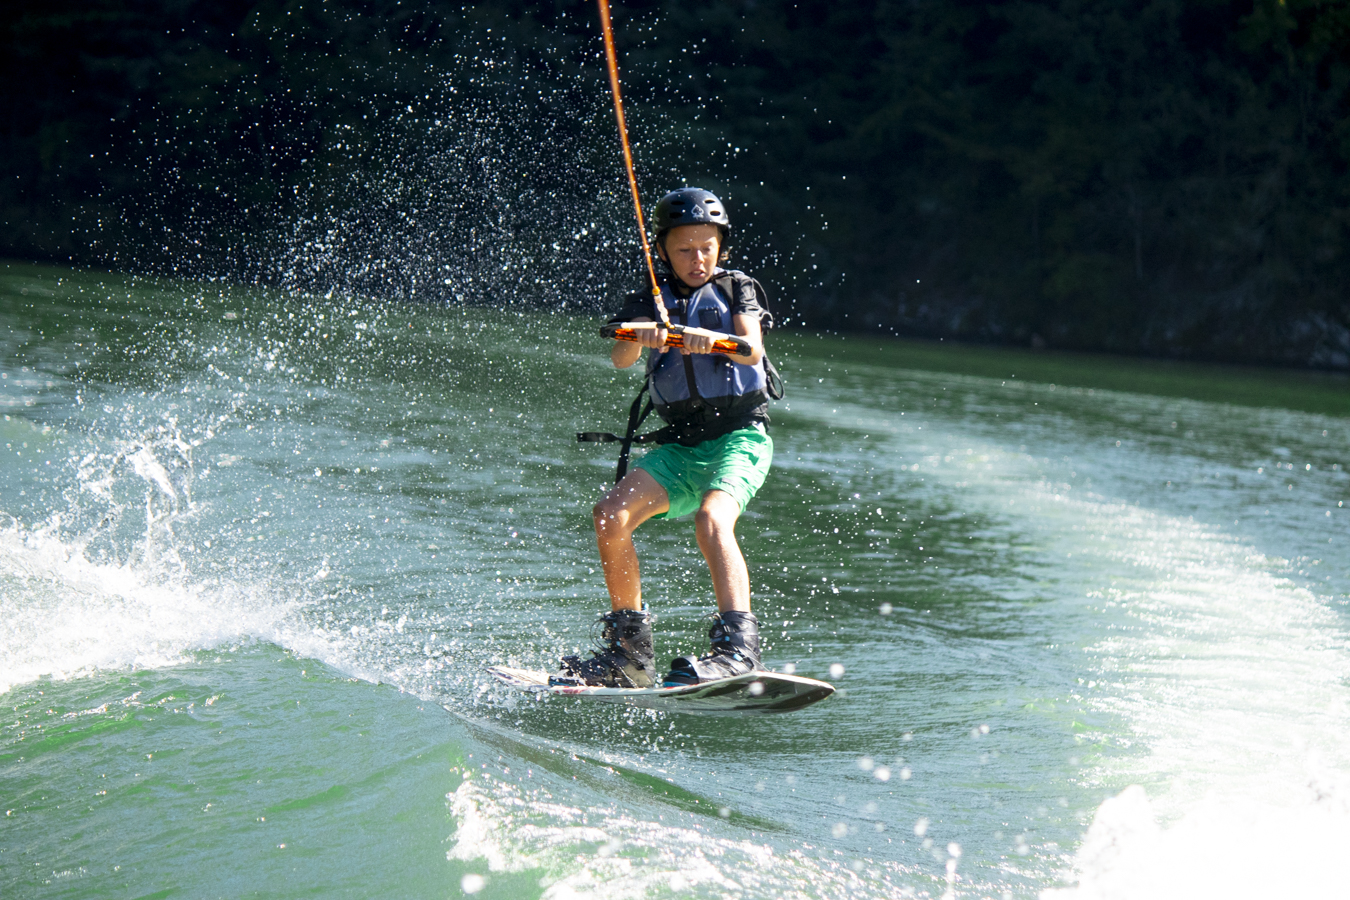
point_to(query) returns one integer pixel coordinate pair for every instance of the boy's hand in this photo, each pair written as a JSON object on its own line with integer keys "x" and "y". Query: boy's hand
{"x": 698, "y": 340}
{"x": 647, "y": 333}
{"x": 654, "y": 337}
{"x": 631, "y": 337}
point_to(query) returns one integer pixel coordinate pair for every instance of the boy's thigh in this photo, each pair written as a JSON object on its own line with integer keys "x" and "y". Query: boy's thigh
{"x": 736, "y": 464}
{"x": 672, "y": 467}
{"x": 741, "y": 466}
{"x": 639, "y": 495}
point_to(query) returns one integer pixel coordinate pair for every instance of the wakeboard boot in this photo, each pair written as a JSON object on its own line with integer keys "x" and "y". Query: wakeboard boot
{"x": 735, "y": 651}
{"x": 625, "y": 659}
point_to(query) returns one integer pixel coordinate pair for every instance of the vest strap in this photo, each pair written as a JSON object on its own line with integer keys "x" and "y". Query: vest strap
{"x": 635, "y": 420}
{"x": 637, "y": 414}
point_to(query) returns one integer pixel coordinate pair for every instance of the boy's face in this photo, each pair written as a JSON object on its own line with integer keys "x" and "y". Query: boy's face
{"x": 691, "y": 251}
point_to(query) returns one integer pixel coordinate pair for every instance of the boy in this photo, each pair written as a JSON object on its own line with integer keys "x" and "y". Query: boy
{"x": 712, "y": 456}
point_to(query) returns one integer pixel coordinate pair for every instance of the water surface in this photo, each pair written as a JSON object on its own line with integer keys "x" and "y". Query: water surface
{"x": 259, "y": 548}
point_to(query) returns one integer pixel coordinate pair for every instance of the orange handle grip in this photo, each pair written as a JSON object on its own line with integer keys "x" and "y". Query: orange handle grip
{"x": 728, "y": 344}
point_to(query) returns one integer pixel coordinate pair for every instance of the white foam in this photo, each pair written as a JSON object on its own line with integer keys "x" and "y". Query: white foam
{"x": 1220, "y": 848}
{"x": 1229, "y": 680}
{"x": 589, "y": 850}
{"x": 147, "y": 465}
{"x": 62, "y": 615}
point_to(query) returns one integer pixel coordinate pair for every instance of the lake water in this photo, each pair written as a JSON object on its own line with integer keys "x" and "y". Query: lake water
{"x": 258, "y": 549}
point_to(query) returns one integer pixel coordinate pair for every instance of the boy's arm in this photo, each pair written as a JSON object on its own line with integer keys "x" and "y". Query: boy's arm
{"x": 637, "y": 308}
{"x": 748, "y": 327}
{"x": 700, "y": 340}
{"x": 624, "y": 353}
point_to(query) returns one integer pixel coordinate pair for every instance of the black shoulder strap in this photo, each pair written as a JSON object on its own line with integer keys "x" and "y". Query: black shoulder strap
{"x": 734, "y": 283}
{"x": 773, "y": 382}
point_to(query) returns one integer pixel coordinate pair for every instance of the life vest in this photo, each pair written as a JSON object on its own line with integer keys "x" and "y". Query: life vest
{"x": 705, "y": 395}
{"x": 702, "y": 396}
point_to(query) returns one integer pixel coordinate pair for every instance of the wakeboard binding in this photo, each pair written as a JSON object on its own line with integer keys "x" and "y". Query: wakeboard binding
{"x": 735, "y": 651}
{"x": 626, "y": 658}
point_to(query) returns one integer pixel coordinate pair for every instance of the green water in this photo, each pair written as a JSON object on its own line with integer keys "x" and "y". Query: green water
{"x": 1308, "y": 391}
{"x": 260, "y": 548}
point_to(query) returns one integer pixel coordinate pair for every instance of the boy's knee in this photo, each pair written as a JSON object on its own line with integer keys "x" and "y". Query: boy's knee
{"x": 704, "y": 521}
{"x": 714, "y": 518}
{"x": 608, "y": 517}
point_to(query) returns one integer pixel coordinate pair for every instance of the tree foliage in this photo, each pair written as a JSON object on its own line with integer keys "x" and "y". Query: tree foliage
{"x": 1156, "y": 176}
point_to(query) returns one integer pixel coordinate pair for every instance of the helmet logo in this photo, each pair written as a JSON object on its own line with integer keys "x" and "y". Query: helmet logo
{"x": 690, "y": 205}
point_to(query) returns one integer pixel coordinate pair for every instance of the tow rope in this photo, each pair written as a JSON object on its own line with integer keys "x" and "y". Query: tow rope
{"x": 612, "y": 59}
{"x": 628, "y": 331}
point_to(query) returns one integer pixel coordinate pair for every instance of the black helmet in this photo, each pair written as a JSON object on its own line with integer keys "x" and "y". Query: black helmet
{"x": 690, "y": 206}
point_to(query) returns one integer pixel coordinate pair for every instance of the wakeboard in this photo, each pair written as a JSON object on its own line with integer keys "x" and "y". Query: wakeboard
{"x": 749, "y": 694}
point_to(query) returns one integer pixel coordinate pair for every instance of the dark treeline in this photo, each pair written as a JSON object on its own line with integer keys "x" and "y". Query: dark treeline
{"x": 340, "y": 144}
{"x": 1146, "y": 176}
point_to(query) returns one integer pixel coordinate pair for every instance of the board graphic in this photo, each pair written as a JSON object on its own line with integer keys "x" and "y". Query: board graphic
{"x": 749, "y": 694}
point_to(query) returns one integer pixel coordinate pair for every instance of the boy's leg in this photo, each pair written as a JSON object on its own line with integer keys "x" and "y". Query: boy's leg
{"x": 628, "y": 504}
{"x": 715, "y": 525}
{"x": 739, "y": 461}
{"x": 625, "y": 656}
{"x": 735, "y": 630}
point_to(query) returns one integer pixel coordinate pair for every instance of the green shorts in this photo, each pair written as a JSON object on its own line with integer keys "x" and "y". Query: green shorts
{"x": 736, "y": 463}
